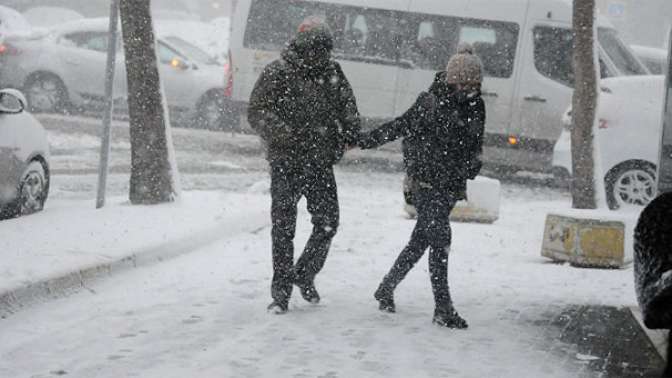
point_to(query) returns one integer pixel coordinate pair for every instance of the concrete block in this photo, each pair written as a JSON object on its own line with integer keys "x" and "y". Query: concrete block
{"x": 584, "y": 241}
{"x": 481, "y": 206}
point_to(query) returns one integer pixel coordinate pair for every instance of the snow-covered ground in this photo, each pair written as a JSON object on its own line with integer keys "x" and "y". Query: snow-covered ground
{"x": 203, "y": 314}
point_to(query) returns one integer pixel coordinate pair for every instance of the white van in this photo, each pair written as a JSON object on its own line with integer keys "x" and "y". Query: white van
{"x": 390, "y": 51}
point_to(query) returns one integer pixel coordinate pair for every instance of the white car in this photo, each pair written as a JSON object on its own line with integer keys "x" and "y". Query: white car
{"x": 628, "y": 139}
{"x": 211, "y": 37}
{"x": 24, "y": 158}
{"x": 66, "y": 69}
{"x": 654, "y": 59}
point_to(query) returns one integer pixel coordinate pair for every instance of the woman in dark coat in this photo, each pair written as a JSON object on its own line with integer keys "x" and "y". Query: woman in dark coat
{"x": 443, "y": 136}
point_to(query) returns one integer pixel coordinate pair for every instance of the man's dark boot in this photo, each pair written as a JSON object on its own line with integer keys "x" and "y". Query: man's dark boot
{"x": 278, "y": 308}
{"x": 308, "y": 292}
{"x": 385, "y": 297}
{"x": 446, "y": 316}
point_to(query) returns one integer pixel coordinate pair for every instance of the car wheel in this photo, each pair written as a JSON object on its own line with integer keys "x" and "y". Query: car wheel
{"x": 632, "y": 183}
{"x": 216, "y": 113}
{"x": 33, "y": 189}
{"x": 45, "y": 94}
{"x": 209, "y": 110}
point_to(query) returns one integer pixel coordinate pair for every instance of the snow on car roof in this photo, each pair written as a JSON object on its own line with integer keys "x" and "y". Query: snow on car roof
{"x": 85, "y": 24}
{"x": 13, "y": 23}
{"x": 50, "y": 16}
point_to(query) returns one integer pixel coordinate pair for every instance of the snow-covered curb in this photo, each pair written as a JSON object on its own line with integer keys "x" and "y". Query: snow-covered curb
{"x": 657, "y": 337}
{"x": 71, "y": 243}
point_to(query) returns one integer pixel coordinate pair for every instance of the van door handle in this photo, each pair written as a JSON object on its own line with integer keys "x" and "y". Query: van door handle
{"x": 535, "y": 99}
{"x": 489, "y": 94}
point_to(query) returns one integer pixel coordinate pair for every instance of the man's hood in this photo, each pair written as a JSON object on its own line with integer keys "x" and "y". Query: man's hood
{"x": 315, "y": 38}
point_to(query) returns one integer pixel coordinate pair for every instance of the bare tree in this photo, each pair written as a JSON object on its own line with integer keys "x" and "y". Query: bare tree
{"x": 584, "y": 105}
{"x": 152, "y": 173}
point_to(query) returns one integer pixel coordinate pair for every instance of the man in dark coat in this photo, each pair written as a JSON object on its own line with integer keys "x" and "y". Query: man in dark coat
{"x": 653, "y": 267}
{"x": 443, "y": 134}
{"x": 304, "y": 109}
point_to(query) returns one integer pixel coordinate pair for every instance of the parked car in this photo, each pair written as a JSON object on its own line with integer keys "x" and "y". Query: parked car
{"x": 655, "y": 59}
{"x": 391, "y": 50}
{"x": 628, "y": 139}
{"x": 65, "y": 69}
{"x": 24, "y": 158}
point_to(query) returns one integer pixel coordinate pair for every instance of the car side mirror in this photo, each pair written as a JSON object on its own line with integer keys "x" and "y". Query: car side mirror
{"x": 12, "y": 101}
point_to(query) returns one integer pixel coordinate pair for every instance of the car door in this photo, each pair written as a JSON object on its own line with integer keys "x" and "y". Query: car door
{"x": 85, "y": 56}
{"x": 546, "y": 84}
{"x": 176, "y": 75}
{"x": 7, "y": 159}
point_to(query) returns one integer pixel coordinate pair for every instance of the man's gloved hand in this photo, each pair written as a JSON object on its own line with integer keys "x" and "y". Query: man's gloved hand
{"x": 474, "y": 168}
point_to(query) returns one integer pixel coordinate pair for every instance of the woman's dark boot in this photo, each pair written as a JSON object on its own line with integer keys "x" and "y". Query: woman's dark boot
{"x": 385, "y": 297}
{"x": 446, "y": 316}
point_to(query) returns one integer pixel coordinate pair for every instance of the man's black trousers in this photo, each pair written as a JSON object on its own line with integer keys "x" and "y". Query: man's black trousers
{"x": 290, "y": 182}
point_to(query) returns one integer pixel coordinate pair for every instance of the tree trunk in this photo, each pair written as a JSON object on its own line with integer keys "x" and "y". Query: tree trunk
{"x": 584, "y": 105}
{"x": 151, "y": 169}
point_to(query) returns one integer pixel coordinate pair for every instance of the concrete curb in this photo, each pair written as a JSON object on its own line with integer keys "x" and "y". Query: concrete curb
{"x": 65, "y": 284}
{"x": 658, "y": 337}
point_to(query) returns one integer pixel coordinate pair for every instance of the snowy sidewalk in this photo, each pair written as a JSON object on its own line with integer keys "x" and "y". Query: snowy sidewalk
{"x": 71, "y": 242}
{"x": 204, "y": 313}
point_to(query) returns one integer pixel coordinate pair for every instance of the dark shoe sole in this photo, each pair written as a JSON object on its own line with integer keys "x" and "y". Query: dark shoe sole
{"x": 277, "y": 308}
{"x": 385, "y": 302}
{"x": 309, "y": 294}
{"x": 390, "y": 309}
{"x": 452, "y": 323}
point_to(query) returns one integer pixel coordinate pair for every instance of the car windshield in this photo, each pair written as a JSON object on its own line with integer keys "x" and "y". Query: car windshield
{"x": 191, "y": 51}
{"x": 619, "y": 54}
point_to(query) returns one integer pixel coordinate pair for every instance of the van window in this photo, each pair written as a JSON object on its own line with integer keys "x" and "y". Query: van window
{"x": 495, "y": 43}
{"x": 553, "y": 54}
{"x": 360, "y": 34}
{"x": 654, "y": 66}
{"x": 271, "y": 23}
{"x": 618, "y": 53}
{"x": 429, "y": 41}
{"x": 473, "y": 35}
{"x": 363, "y": 33}
{"x": 386, "y": 37}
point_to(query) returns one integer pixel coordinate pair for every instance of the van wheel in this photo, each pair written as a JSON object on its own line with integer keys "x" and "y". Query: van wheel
{"x": 45, "y": 93}
{"x": 631, "y": 183}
